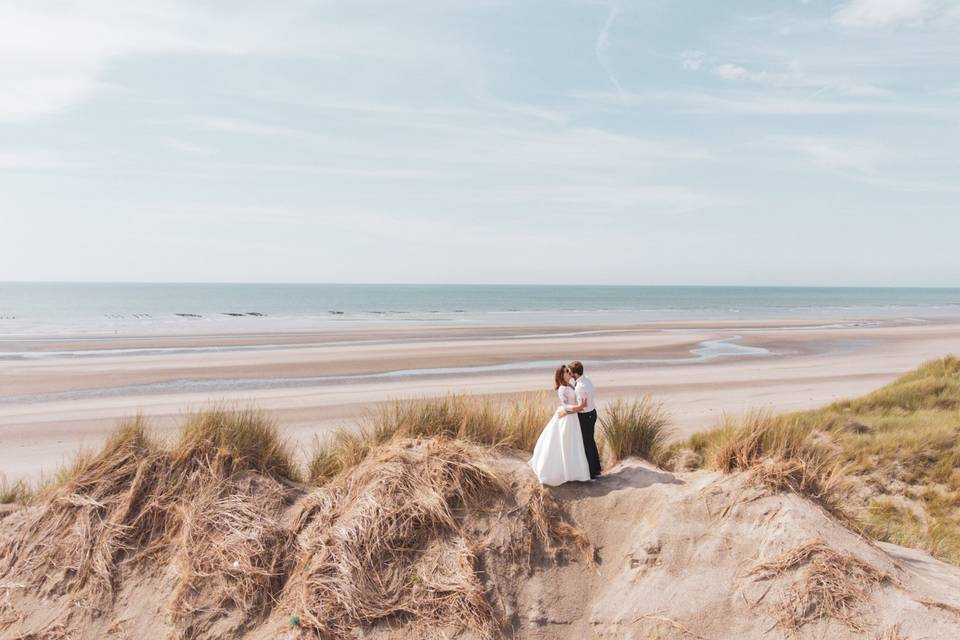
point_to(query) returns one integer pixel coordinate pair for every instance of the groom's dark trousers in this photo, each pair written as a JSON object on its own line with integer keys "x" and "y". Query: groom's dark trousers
{"x": 588, "y": 421}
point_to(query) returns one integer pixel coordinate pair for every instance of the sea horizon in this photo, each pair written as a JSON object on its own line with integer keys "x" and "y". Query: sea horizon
{"x": 155, "y": 307}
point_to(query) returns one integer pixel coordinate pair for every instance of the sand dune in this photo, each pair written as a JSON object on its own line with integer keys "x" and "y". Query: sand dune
{"x": 685, "y": 555}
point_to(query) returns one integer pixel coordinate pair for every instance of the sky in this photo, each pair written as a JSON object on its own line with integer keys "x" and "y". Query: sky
{"x": 774, "y": 142}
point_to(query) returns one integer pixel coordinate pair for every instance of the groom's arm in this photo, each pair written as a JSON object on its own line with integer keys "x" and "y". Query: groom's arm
{"x": 571, "y": 408}
{"x": 574, "y": 408}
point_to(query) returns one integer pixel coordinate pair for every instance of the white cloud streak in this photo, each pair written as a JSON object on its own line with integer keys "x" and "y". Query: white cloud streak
{"x": 602, "y": 48}
{"x": 32, "y": 160}
{"x": 868, "y": 14}
{"x": 835, "y": 153}
{"x": 730, "y": 72}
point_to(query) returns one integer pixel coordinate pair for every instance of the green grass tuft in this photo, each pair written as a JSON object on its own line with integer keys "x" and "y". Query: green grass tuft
{"x": 900, "y": 445}
{"x": 934, "y": 385}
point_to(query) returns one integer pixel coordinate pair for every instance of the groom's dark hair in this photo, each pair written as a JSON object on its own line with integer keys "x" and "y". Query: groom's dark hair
{"x": 576, "y": 367}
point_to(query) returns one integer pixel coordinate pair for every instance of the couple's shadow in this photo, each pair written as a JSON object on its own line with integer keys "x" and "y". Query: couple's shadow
{"x": 629, "y": 474}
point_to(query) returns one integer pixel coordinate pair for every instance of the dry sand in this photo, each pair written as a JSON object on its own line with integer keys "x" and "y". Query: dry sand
{"x": 51, "y": 406}
{"x": 677, "y": 555}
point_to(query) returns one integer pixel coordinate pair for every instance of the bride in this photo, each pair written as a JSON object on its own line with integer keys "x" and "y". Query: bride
{"x": 559, "y": 455}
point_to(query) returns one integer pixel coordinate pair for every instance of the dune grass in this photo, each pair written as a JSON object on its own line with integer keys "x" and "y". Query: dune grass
{"x": 897, "y": 447}
{"x": 398, "y": 549}
{"x": 383, "y": 540}
{"x": 934, "y": 385}
{"x": 18, "y": 492}
{"x": 638, "y": 428}
{"x": 246, "y": 438}
{"x": 513, "y": 422}
{"x": 781, "y": 452}
{"x": 131, "y": 503}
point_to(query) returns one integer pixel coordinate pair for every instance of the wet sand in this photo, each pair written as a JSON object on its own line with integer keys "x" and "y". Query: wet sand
{"x": 58, "y": 394}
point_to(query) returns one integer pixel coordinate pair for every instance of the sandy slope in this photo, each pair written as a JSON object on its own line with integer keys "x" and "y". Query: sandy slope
{"x": 676, "y": 552}
{"x": 675, "y": 558}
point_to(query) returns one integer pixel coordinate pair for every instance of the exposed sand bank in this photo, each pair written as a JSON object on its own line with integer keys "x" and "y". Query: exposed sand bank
{"x": 641, "y": 553}
{"x": 58, "y": 394}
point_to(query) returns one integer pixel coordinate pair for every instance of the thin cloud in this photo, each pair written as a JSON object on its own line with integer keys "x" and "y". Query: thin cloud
{"x": 692, "y": 60}
{"x": 798, "y": 79}
{"x": 838, "y": 153}
{"x": 33, "y": 160}
{"x": 188, "y": 147}
{"x": 245, "y": 126}
{"x": 756, "y": 103}
{"x": 602, "y": 48}
{"x": 867, "y": 14}
{"x": 730, "y": 72}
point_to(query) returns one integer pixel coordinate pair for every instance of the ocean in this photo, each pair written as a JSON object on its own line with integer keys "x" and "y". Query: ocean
{"x": 43, "y": 308}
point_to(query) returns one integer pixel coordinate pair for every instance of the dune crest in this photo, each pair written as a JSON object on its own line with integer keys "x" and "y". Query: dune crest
{"x": 438, "y": 537}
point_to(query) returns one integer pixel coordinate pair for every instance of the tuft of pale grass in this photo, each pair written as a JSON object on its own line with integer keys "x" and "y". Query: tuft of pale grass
{"x": 344, "y": 449}
{"x": 514, "y": 422}
{"x": 830, "y": 585}
{"x": 242, "y": 439}
{"x": 638, "y": 428}
{"x": 782, "y": 453}
{"x": 18, "y": 492}
{"x": 740, "y": 442}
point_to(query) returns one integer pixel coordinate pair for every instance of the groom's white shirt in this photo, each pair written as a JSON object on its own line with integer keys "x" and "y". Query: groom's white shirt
{"x": 584, "y": 390}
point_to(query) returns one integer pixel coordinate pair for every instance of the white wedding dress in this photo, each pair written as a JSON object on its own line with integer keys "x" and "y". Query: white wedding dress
{"x": 559, "y": 455}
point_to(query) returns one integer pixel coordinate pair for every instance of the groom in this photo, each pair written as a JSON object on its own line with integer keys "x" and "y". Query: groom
{"x": 587, "y": 414}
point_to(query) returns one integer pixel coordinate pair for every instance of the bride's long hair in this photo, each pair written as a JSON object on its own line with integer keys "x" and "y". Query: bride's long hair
{"x": 558, "y": 378}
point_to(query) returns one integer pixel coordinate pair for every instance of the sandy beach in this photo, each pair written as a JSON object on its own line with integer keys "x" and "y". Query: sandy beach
{"x": 59, "y": 394}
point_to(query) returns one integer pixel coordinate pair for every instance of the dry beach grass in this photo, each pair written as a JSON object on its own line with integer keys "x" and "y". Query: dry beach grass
{"x": 386, "y": 539}
{"x": 829, "y": 584}
{"x": 511, "y": 422}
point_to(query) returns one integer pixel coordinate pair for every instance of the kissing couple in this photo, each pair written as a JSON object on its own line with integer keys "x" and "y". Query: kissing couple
{"x": 566, "y": 450}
